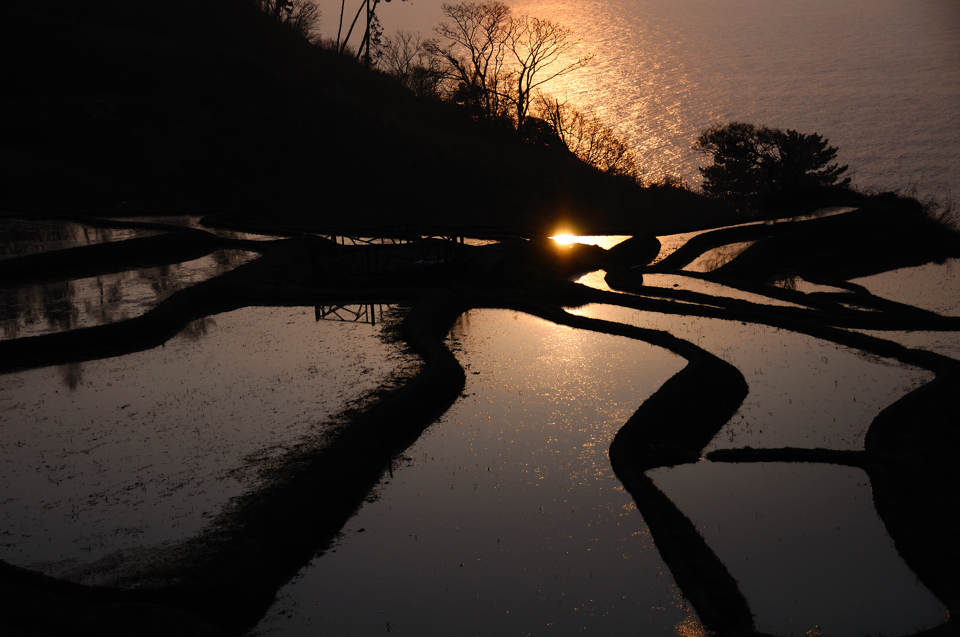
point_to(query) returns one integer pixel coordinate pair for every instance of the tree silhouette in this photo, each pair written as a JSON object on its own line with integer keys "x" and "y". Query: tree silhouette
{"x": 754, "y": 161}
{"x": 473, "y": 57}
{"x": 587, "y": 137}
{"x": 537, "y": 52}
{"x": 494, "y": 62}
{"x": 404, "y": 57}
{"x": 302, "y": 16}
{"x": 371, "y": 42}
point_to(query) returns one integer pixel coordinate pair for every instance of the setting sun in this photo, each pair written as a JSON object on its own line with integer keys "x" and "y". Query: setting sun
{"x": 565, "y": 239}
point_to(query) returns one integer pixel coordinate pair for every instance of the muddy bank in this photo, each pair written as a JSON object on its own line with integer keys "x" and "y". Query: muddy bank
{"x": 915, "y": 442}
{"x": 673, "y": 426}
{"x": 873, "y": 238}
{"x": 34, "y": 605}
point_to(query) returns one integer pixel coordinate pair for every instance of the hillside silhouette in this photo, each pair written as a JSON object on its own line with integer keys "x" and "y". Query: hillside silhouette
{"x": 150, "y": 106}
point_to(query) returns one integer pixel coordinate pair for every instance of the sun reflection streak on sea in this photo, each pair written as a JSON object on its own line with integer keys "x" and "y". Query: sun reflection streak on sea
{"x": 634, "y": 82}
{"x": 852, "y": 71}
{"x": 879, "y": 78}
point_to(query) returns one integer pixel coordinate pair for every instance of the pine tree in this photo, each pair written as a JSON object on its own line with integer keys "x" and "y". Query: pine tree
{"x": 750, "y": 162}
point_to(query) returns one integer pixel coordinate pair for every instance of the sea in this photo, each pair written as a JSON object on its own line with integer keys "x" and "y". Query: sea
{"x": 880, "y": 79}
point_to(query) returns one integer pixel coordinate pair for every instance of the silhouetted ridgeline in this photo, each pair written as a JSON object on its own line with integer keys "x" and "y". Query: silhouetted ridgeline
{"x": 160, "y": 106}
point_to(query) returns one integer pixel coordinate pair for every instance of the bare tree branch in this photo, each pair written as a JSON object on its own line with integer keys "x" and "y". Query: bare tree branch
{"x": 494, "y": 61}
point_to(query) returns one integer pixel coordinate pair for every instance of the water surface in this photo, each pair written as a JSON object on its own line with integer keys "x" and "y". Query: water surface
{"x": 132, "y": 451}
{"x": 45, "y": 308}
{"x": 879, "y": 78}
{"x": 806, "y": 546}
{"x": 21, "y": 237}
{"x": 933, "y": 286}
{"x": 804, "y": 391}
{"x": 505, "y": 517}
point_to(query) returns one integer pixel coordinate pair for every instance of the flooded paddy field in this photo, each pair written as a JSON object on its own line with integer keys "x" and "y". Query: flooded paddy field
{"x": 505, "y": 517}
{"x": 806, "y": 545}
{"x": 804, "y": 392}
{"x": 662, "y": 450}
{"x": 134, "y": 451}
{"x": 19, "y": 237}
{"x": 32, "y": 310}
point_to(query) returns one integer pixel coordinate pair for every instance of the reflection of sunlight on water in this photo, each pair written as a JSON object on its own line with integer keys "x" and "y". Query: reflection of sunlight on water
{"x": 673, "y": 242}
{"x": 144, "y": 448}
{"x": 470, "y": 241}
{"x": 804, "y": 392}
{"x": 716, "y": 257}
{"x": 507, "y": 503}
{"x": 635, "y": 84}
{"x": 663, "y": 71}
{"x": 605, "y": 241}
{"x": 595, "y": 280}
{"x": 678, "y": 281}
{"x": 806, "y": 545}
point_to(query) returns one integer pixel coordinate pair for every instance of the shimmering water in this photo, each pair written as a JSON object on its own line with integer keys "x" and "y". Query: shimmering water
{"x": 506, "y": 518}
{"x": 879, "y": 78}
{"x": 804, "y": 392}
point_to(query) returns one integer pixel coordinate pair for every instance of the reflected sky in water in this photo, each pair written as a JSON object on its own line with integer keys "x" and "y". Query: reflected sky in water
{"x": 716, "y": 257}
{"x": 672, "y": 242}
{"x": 946, "y": 343}
{"x": 679, "y": 281}
{"x": 596, "y": 280}
{"x": 145, "y": 448}
{"x": 32, "y": 310}
{"x": 804, "y": 392}
{"x": 506, "y": 513}
{"x": 194, "y": 221}
{"x": 505, "y": 517}
{"x": 20, "y": 237}
{"x": 806, "y": 546}
{"x": 934, "y": 287}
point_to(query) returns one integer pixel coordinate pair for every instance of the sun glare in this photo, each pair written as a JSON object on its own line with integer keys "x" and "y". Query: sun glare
{"x": 565, "y": 239}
